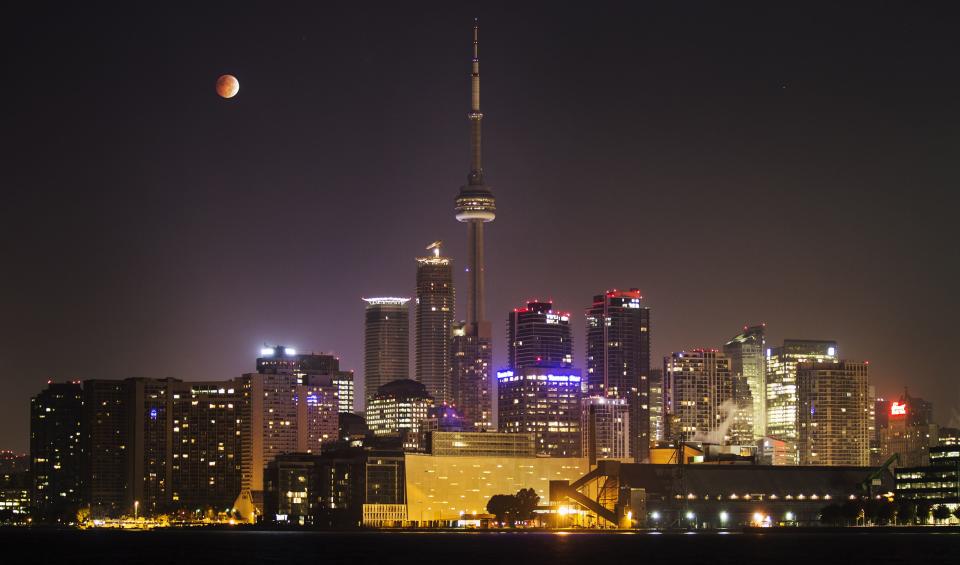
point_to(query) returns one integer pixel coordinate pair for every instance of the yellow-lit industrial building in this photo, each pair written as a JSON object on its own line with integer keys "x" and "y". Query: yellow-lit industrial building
{"x": 444, "y": 488}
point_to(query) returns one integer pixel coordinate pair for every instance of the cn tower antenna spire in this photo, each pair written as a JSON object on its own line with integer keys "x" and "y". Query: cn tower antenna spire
{"x": 476, "y": 116}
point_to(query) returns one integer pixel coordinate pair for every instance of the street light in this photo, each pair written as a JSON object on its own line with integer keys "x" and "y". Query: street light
{"x": 136, "y": 509}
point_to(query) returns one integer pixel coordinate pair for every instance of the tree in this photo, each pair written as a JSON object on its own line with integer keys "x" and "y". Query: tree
{"x": 886, "y": 513}
{"x": 526, "y": 500}
{"x": 83, "y": 514}
{"x": 941, "y": 513}
{"x": 830, "y": 514}
{"x": 502, "y": 506}
{"x": 851, "y": 511}
{"x": 923, "y": 511}
{"x": 907, "y": 512}
{"x": 956, "y": 512}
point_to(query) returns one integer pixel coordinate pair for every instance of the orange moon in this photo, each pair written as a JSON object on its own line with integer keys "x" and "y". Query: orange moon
{"x": 228, "y": 86}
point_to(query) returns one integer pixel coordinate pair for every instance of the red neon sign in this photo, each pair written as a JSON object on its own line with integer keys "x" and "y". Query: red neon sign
{"x": 898, "y": 409}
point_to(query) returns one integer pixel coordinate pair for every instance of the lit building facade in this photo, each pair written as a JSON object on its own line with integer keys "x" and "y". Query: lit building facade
{"x": 434, "y": 323}
{"x": 105, "y": 443}
{"x": 618, "y": 359}
{"x": 909, "y": 432}
{"x": 834, "y": 411}
{"x": 698, "y": 396}
{"x": 56, "y": 445}
{"x": 781, "y": 375}
{"x": 482, "y": 444}
{"x": 400, "y": 408}
{"x": 936, "y": 483}
{"x": 741, "y": 430}
{"x": 14, "y": 495}
{"x": 539, "y": 335}
{"x": 291, "y": 489}
{"x": 748, "y": 360}
{"x": 657, "y": 421}
{"x": 605, "y": 426}
{"x": 386, "y": 344}
{"x": 471, "y": 357}
{"x": 322, "y": 370}
{"x": 544, "y": 401}
{"x": 270, "y": 417}
{"x": 318, "y": 421}
{"x": 208, "y": 432}
{"x": 149, "y": 450}
{"x": 442, "y": 488}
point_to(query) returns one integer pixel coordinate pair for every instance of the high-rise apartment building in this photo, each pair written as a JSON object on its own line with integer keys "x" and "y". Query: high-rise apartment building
{"x": 149, "y": 447}
{"x": 834, "y": 411}
{"x": 208, "y": 429}
{"x": 698, "y": 396}
{"x": 386, "y": 344}
{"x": 618, "y": 359}
{"x": 748, "y": 360}
{"x": 605, "y": 426}
{"x": 434, "y": 317}
{"x": 270, "y": 414}
{"x": 56, "y": 444}
{"x": 781, "y": 375}
{"x": 544, "y": 401}
{"x": 105, "y": 443}
{"x": 539, "y": 335}
{"x": 323, "y": 370}
{"x": 471, "y": 358}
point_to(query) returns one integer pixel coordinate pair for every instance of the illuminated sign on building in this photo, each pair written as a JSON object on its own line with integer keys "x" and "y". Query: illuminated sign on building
{"x": 898, "y": 409}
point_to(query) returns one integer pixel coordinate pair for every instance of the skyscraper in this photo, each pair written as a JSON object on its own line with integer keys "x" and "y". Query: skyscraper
{"x": 149, "y": 450}
{"x": 544, "y": 401}
{"x": 746, "y": 353}
{"x": 833, "y": 415}
{"x": 386, "y": 343}
{"x": 781, "y": 375}
{"x": 434, "y": 317}
{"x": 475, "y": 206}
{"x": 605, "y": 428}
{"x": 207, "y": 438}
{"x": 105, "y": 444}
{"x": 539, "y": 335}
{"x": 698, "y": 396}
{"x": 323, "y": 370}
{"x": 470, "y": 359}
{"x": 55, "y": 452}
{"x": 618, "y": 359}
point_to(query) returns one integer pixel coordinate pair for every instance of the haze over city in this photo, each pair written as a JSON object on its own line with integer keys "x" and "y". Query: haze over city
{"x": 736, "y": 164}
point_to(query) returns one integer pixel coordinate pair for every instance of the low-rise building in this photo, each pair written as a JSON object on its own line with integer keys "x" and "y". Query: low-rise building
{"x": 936, "y": 483}
{"x": 481, "y": 444}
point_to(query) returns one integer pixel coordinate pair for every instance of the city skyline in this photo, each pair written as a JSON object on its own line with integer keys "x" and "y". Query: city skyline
{"x": 180, "y": 291}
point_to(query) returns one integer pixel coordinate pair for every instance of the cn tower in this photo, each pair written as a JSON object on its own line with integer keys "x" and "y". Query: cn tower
{"x": 475, "y": 204}
{"x": 471, "y": 347}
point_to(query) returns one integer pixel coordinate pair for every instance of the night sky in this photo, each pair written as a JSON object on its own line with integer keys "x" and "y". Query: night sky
{"x": 738, "y": 163}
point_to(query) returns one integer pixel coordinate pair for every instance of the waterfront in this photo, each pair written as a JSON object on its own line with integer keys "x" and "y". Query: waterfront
{"x": 247, "y": 546}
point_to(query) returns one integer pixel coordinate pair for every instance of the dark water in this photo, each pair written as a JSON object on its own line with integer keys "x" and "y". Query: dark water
{"x": 209, "y": 547}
